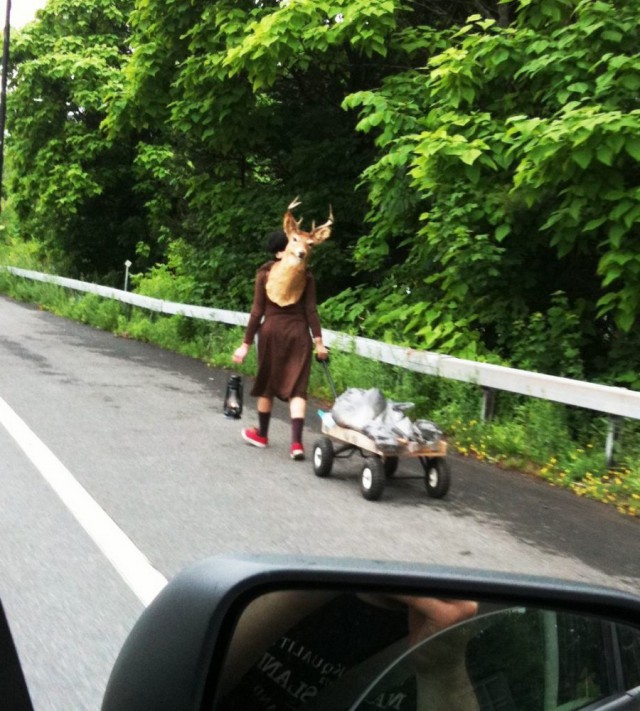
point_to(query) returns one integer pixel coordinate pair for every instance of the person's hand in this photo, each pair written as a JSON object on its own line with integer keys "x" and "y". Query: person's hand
{"x": 321, "y": 352}
{"x": 240, "y": 353}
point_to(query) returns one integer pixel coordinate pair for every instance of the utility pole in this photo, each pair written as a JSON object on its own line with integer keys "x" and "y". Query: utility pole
{"x": 3, "y": 92}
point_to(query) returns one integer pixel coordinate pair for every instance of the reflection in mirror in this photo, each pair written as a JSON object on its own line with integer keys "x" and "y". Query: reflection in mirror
{"x": 334, "y": 651}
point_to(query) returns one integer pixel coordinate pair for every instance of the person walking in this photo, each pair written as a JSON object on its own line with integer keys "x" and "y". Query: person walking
{"x": 283, "y": 313}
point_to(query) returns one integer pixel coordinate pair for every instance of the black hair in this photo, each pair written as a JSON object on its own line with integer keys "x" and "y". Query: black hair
{"x": 277, "y": 241}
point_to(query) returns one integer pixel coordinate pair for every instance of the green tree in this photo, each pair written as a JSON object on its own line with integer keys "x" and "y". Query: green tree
{"x": 229, "y": 134}
{"x": 508, "y": 171}
{"x": 243, "y": 101}
{"x": 71, "y": 188}
{"x": 483, "y": 168}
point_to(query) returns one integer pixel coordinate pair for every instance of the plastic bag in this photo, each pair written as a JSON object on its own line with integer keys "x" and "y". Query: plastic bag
{"x": 382, "y": 420}
{"x": 356, "y": 408}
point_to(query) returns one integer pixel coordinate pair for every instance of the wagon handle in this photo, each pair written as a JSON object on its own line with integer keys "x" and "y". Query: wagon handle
{"x": 325, "y": 364}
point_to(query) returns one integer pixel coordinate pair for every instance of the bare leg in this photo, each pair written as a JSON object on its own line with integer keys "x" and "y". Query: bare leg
{"x": 297, "y": 407}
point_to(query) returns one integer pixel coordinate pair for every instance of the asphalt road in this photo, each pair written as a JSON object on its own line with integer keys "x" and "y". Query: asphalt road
{"x": 142, "y": 431}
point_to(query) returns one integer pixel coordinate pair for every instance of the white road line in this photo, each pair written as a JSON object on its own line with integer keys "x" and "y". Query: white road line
{"x": 136, "y": 570}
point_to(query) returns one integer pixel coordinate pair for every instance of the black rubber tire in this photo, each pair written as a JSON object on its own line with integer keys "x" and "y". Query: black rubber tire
{"x": 437, "y": 477}
{"x": 372, "y": 478}
{"x": 390, "y": 465}
{"x": 322, "y": 456}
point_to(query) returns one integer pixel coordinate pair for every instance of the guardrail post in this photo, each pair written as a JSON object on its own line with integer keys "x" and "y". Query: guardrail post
{"x": 127, "y": 264}
{"x": 612, "y": 431}
{"x": 488, "y": 404}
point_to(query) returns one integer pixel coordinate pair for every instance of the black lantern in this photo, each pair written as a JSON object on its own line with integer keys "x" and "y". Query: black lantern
{"x": 233, "y": 398}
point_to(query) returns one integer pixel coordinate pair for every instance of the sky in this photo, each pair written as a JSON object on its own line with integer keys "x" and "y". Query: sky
{"x": 22, "y": 11}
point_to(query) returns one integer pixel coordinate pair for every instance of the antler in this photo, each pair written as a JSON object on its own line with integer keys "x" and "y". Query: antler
{"x": 322, "y": 232}
{"x": 328, "y": 223}
{"x": 290, "y": 222}
{"x": 330, "y": 214}
{"x": 317, "y": 234}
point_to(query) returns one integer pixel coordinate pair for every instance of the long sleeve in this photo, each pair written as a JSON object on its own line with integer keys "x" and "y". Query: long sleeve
{"x": 258, "y": 307}
{"x": 310, "y": 307}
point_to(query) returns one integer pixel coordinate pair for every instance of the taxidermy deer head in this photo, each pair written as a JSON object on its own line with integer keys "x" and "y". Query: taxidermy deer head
{"x": 287, "y": 277}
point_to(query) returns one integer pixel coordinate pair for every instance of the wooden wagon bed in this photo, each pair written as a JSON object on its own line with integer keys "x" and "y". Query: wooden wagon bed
{"x": 379, "y": 464}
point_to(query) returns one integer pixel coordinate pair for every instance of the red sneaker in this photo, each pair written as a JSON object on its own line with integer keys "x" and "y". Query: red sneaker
{"x": 252, "y": 436}
{"x": 297, "y": 451}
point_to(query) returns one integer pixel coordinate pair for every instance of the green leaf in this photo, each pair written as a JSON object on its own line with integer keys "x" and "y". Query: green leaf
{"x": 582, "y": 157}
{"x": 611, "y": 275}
{"x": 632, "y": 146}
{"x": 604, "y": 154}
{"x": 625, "y": 320}
{"x": 502, "y": 231}
{"x": 595, "y": 223}
{"x": 616, "y": 233}
{"x": 470, "y": 155}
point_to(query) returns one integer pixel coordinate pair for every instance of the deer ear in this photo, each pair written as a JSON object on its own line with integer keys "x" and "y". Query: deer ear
{"x": 322, "y": 233}
{"x": 289, "y": 224}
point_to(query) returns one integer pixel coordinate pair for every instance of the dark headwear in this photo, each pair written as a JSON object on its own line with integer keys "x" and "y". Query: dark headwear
{"x": 277, "y": 241}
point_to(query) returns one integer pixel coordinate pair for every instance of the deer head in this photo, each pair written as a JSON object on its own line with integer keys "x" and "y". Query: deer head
{"x": 287, "y": 278}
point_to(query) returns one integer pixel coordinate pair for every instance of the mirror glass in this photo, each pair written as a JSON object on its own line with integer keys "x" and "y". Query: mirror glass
{"x": 337, "y": 651}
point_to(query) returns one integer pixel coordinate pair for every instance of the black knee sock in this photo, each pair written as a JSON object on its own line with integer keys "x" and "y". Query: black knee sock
{"x": 263, "y": 419}
{"x": 297, "y": 423}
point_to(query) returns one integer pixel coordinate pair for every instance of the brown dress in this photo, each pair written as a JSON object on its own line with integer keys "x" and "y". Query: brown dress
{"x": 284, "y": 343}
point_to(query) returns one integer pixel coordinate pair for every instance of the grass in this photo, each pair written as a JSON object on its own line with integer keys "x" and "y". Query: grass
{"x": 562, "y": 445}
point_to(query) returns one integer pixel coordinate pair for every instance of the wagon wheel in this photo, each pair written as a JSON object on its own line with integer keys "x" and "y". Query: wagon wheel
{"x": 322, "y": 457}
{"x": 437, "y": 476}
{"x": 390, "y": 465}
{"x": 372, "y": 479}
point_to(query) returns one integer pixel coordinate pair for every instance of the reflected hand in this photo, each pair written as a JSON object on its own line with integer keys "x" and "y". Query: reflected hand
{"x": 440, "y": 664}
{"x": 429, "y": 615}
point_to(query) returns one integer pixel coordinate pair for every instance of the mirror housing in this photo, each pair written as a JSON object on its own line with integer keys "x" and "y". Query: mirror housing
{"x": 13, "y": 687}
{"x": 173, "y": 657}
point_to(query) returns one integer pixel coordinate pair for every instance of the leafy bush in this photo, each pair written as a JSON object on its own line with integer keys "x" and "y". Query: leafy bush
{"x": 170, "y": 281}
{"x": 548, "y": 342}
{"x": 385, "y": 313}
{"x": 95, "y": 311}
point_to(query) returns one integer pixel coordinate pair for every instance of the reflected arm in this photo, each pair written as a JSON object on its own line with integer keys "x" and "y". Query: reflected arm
{"x": 263, "y": 622}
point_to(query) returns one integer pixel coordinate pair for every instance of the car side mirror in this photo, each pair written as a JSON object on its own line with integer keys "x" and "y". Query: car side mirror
{"x": 275, "y": 632}
{"x": 13, "y": 688}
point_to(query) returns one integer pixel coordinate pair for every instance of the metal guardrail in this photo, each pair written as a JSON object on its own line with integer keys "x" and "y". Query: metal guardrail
{"x": 606, "y": 399}
{"x": 601, "y": 398}
{"x": 144, "y": 302}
